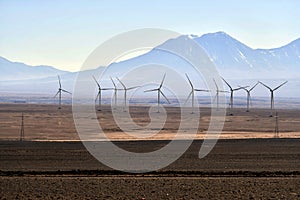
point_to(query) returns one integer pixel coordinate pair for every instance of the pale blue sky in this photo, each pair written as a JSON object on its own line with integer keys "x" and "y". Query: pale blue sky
{"x": 63, "y": 33}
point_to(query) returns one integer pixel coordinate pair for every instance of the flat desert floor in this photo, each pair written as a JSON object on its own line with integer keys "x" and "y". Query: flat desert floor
{"x": 246, "y": 163}
{"x": 46, "y": 122}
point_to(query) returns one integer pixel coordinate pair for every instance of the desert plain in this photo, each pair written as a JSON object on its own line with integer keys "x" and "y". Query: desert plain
{"x": 248, "y": 161}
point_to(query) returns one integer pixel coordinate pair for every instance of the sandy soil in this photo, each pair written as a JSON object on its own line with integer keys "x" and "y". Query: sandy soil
{"x": 46, "y": 122}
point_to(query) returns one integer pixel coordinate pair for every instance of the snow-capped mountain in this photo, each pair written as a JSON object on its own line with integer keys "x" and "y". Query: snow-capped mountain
{"x": 20, "y": 71}
{"x": 230, "y": 54}
{"x": 233, "y": 59}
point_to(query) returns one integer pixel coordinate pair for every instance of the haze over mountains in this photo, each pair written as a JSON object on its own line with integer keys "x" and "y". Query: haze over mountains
{"x": 20, "y": 71}
{"x": 233, "y": 59}
{"x": 230, "y": 54}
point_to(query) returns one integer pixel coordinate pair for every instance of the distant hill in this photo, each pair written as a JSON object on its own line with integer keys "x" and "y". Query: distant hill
{"x": 231, "y": 55}
{"x": 20, "y": 71}
{"x": 234, "y": 60}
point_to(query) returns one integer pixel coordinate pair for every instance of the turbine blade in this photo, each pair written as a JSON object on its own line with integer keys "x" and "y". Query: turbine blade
{"x": 121, "y": 83}
{"x": 151, "y": 90}
{"x": 66, "y": 91}
{"x": 265, "y": 85}
{"x": 97, "y": 82}
{"x": 97, "y": 96}
{"x": 216, "y": 84}
{"x": 243, "y": 88}
{"x": 164, "y": 96}
{"x": 189, "y": 80}
{"x": 131, "y": 88}
{"x": 107, "y": 88}
{"x": 201, "y": 90}
{"x": 226, "y": 83}
{"x": 239, "y": 88}
{"x": 280, "y": 86}
{"x": 254, "y": 86}
{"x": 162, "y": 81}
{"x": 188, "y": 97}
{"x": 113, "y": 83}
{"x": 56, "y": 94}
{"x": 59, "y": 82}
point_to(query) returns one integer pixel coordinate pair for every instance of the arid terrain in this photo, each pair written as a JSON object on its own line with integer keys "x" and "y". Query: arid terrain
{"x": 246, "y": 163}
{"x": 46, "y": 122}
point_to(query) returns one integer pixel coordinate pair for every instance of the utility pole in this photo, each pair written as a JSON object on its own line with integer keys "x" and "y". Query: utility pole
{"x": 22, "y": 129}
{"x": 276, "y": 126}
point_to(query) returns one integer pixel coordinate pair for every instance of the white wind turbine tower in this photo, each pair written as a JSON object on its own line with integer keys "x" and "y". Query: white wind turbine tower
{"x": 159, "y": 92}
{"x": 125, "y": 93}
{"x": 272, "y": 94}
{"x": 60, "y": 90}
{"x": 231, "y": 94}
{"x": 248, "y": 95}
{"x": 192, "y": 93}
{"x": 99, "y": 95}
{"x": 217, "y": 93}
{"x": 115, "y": 92}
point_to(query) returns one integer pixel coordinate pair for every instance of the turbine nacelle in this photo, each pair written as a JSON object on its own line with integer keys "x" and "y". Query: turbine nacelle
{"x": 125, "y": 92}
{"x": 192, "y": 93}
{"x": 159, "y": 92}
{"x": 60, "y": 90}
{"x": 272, "y": 94}
{"x": 232, "y": 90}
{"x": 249, "y": 96}
{"x": 99, "y": 94}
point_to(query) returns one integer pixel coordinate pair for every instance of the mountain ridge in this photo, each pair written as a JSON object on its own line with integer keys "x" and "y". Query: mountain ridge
{"x": 235, "y": 55}
{"x": 234, "y": 60}
{"x": 11, "y": 70}
{"x": 224, "y": 50}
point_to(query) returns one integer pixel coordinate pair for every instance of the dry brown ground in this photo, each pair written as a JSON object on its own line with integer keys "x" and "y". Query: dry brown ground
{"x": 148, "y": 188}
{"x": 255, "y": 155}
{"x": 235, "y": 169}
{"x": 46, "y": 122}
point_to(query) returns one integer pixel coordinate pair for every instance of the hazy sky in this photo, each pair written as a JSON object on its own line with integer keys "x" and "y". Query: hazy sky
{"x": 63, "y": 33}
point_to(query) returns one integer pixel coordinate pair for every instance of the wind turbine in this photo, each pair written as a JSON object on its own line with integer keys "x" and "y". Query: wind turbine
{"x": 272, "y": 94}
{"x": 115, "y": 92}
{"x": 232, "y": 90}
{"x": 192, "y": 93}
{"x": 99, "y": 95}
{"x": 159, "y": 92}
{"x": 125, "y": 93}
{"x": 248, "y": 95}
{"x": 60, "y": 90}
{"x": 217, "y": 93}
